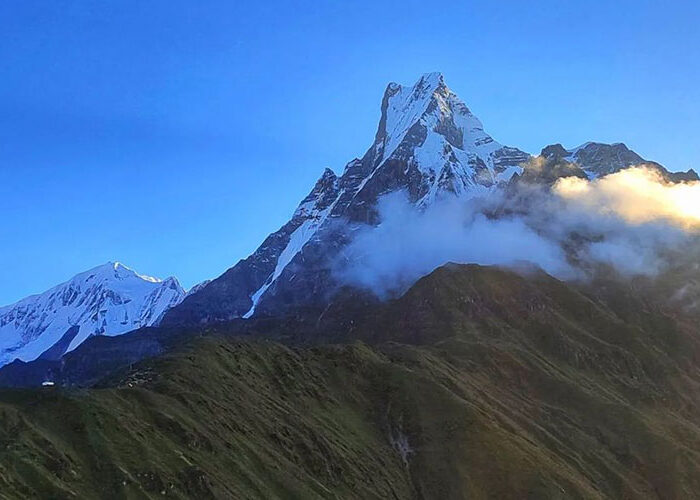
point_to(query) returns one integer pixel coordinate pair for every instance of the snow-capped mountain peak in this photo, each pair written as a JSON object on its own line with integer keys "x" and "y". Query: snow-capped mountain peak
{"x": 110, "y": 299}
{"x": 429, "y": 127}
{"x": 403, "y": 107}
{"x": 121, "y": 271}
{"x": 428, "y": 144}
{"x": 428, "y": 103}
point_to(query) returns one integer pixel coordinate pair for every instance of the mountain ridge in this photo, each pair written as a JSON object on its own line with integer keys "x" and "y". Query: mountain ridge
{"x": 598, "y": 159}
{"x": 561, "y": 396}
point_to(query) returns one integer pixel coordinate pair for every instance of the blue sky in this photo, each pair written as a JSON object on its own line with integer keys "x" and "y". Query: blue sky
{"x": 173, "y": 136}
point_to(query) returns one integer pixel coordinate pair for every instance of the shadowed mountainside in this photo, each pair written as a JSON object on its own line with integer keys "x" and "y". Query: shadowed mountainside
{"x": 477, "y": 383}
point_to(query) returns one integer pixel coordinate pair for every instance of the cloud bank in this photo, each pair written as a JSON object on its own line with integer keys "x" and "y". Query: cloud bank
{"x": 632, "y": 221}
{"x": 409, "y": 243}
{"x": 638, "y": 195}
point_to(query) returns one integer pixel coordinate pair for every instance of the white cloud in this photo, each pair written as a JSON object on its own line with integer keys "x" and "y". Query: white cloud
{"x": 638, "y": 195}
{"x": 633, "y": 221}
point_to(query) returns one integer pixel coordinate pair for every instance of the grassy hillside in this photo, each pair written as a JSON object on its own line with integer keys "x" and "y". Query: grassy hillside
{"x": 478, "y": 383}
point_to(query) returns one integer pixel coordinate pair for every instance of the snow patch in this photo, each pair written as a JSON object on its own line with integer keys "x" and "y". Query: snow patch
{"x": 507, "y": 174}
{"x": 299, "y": 237}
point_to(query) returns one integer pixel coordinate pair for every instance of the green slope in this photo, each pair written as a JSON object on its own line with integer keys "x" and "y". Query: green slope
{"x": 478, "y": 383}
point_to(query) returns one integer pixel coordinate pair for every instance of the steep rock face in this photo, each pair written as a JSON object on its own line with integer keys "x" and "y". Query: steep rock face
{"x": 595, "y": 158}
{"x": 602, "y": 159}
{"x": 427, "y": 143}
{"x": 108, "y": 300}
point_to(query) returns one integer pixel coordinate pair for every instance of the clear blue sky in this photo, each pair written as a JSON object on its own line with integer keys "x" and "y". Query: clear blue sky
{"x": 175, "y": 135}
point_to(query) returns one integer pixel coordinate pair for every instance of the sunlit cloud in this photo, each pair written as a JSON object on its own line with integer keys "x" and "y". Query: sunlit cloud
{"x": 639, "y": 195}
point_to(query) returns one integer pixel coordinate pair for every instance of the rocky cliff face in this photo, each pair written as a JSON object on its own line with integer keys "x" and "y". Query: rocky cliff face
{"x": 594, "y": 158}
{"x": 597, "y": 160}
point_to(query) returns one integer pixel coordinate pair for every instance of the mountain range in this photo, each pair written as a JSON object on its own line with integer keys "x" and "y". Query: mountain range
{"x": 428, "y": 144}
{"x": 280, "y": 379}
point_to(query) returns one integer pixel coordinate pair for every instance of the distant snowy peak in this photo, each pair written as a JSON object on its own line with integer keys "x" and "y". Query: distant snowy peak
{"x": 112, "y": 271}
{"x": 110, "y": 299}
{"x": 427, "y": 143}
{"x": 442, "y": 142}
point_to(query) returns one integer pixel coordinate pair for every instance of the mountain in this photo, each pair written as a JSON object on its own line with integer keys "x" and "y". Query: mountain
{"x": 477, "y": 382}
{"x": 594, "y": 158}
{"x": 274, "y": 381}
{"x": 597, "y": 160}
{"x": 427, "y": 143}
{"x": 108, "y": 300}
